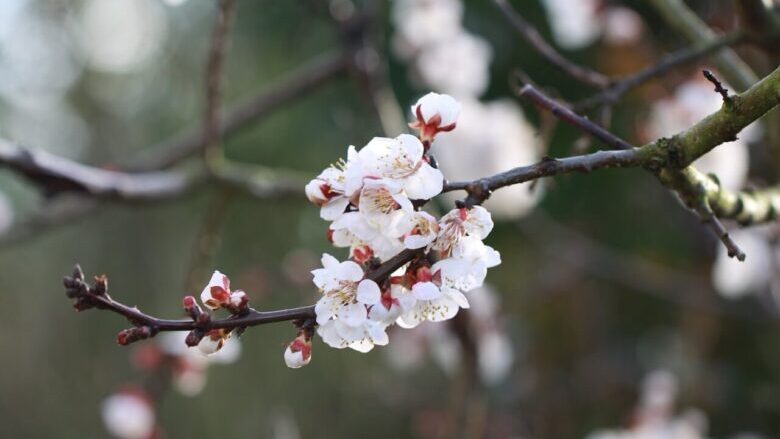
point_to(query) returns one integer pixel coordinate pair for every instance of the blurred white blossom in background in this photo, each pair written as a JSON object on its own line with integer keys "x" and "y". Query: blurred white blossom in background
{"x": 579, "y": 23}
{"x": 734, "y": 279}
{"x": 655, "y": 418}
{"x": 189, "y": 374}
{"x": 39, "y": 65}
{"x": 495, "y": 353}
{"x": 129, "y": 414}
{"x": 121, "y": 36}
{"x": 491, "y": 137}
{"x": 575, "y": 23}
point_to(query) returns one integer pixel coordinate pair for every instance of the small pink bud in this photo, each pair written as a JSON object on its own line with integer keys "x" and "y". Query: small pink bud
{"x": 298, "y": 352}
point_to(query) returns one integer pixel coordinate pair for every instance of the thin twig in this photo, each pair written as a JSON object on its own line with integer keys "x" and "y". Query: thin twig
{"x": 567, "y": 115}
{"x": 719, "y": 88}
{"x": 273, "y": 97}
{"x": 87, "y": 296}
{"x": 688, "y": 55}
{"x": 480, "y": 189}
{"x": 682, "y": 19}
{"x": 535, "y": 39}
{"x": 702, "y": 208}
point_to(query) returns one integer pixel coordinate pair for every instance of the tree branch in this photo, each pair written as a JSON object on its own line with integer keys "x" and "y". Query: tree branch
{"x": 86, "y": 296}
{"x": 54, "y": 175}
{"x": 479, "y": 190}
{"x": 214, "y": 73}
{"x": 685, "y": 21}
{"x": 529, "y": 33}
{"x": 684, "y": 56}
{"x": 722, "y": 126}
{"x": 303, "y": 80}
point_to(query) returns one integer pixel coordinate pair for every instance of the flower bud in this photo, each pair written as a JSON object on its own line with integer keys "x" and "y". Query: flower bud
{"x": 191, "y": 307}
{"x": 298, "y": 353}
{"x": 217, "y": 292}
{"x": 435, "y": 113}
{"x": 131, "y": 335}
{"x": 213, "y": 341}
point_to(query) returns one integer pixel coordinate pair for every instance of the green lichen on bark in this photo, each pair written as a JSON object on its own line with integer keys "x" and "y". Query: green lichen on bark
{"x": 719, "y": 127}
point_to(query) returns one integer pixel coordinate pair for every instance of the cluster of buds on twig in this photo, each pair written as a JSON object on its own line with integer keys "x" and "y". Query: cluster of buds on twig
{"x": 216, "y": 295}
{"x": 85, "y": 296}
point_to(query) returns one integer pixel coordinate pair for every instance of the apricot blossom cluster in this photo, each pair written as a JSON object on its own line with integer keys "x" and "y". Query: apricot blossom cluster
{"x": 373, "y": 200}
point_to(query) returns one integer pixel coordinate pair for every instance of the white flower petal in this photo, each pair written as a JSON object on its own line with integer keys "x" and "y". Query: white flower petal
{"x": 368, "y": 292}
{"x": 424, "y": 184}
{"x": 334, "y": 208}
{"x": 456, "y": 297}
{"x": 350, "y": 271}
{"x": 426, "y": 291}
{"x": 353, "y": 314}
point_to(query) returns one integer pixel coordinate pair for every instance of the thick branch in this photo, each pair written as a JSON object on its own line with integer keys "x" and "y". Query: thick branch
{"x": 532, "y": 37}
{"x": 57, "y": 174}
{"x": 667, "y": 157}
{"x": 722, "y": 126}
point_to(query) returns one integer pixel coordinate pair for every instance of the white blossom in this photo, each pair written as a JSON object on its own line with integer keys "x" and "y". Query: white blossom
{"x": 129, "y": 414}
{"x": 467, "y": 268}
{"x": 345, "y": 294}
{"x": 332, "y": 189}
{"x": 402, "y": 161}
{"x": 385, "y": 207}
{"x": 353, "y": 230}
{"x": 458, "y": 223}
{"x": 217, "y": 293}
{"x": 362, "y": 337}
{"x": 433, "y": 301}
{"x": 435, "y": 113}
{"x": 393, "y": 302}
{"x": 424, "y": 231}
